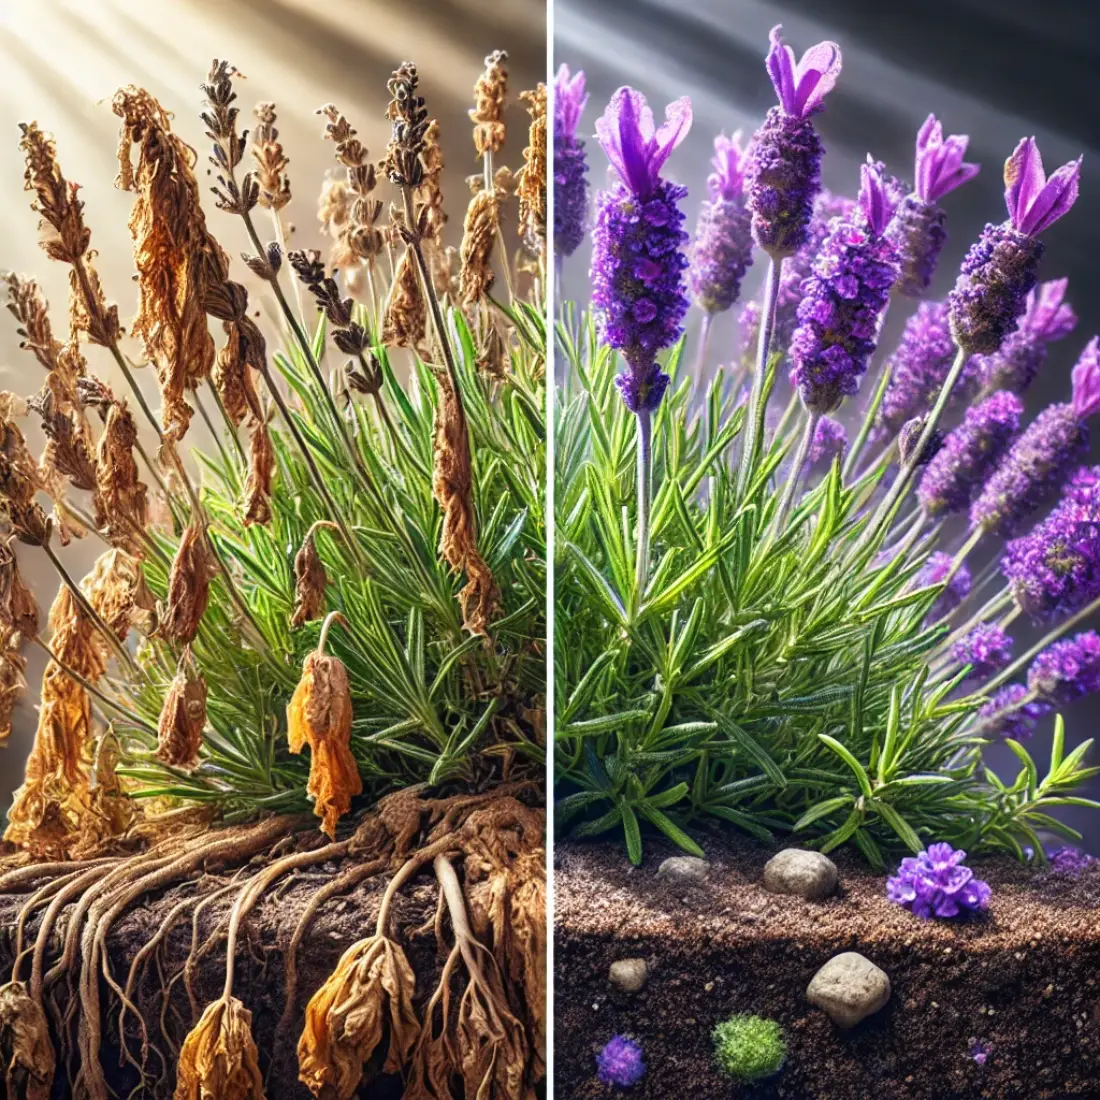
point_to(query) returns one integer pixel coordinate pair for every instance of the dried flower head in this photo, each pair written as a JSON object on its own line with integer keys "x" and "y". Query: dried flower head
{"x": 368, "y": 997}
{"x": 18, "y": 609}
{"x": 429, "y": 195}
{"x": 476, "y": 277}
{"x": 28, "y": 305}
{"x": 117, "y": 591}
{"x": 261, "y": 472}
{"x": 271, "y": 160}
{"x": 183, "y": 715}
{"x": 219, "y": 1056}
{"x": 319, "y": 715}
{"x": 26, "y": 1053}
{"x": 409, "y": 126}
{"x": 359, "y": 239}
{"x": 177, "y": 260}
{"x": 532, "y": 178}
{"x": 121, "y": 497}
{"x": 188, "y": 585}
{"x": 310, "y": 581}
{"x": 406, "y": 319}
{"x": 487, "y": 114}
{"x": 20, "y": 481}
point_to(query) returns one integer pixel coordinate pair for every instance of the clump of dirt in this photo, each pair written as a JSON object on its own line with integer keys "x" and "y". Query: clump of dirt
{"x": 1023, "y": 981}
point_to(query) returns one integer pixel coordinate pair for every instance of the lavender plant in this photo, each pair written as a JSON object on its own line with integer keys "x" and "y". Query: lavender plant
{"x": 814, "y": 661}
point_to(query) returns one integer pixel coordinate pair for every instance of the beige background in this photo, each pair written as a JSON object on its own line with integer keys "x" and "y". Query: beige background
{"x": 61, "y": 62}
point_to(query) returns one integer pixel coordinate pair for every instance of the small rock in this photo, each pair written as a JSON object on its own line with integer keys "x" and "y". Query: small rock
{"x": 628, "y": 975}
{"x": 684, "y": 870}
{"x": 849, "y": 988}
{"x": 808, "y": 875}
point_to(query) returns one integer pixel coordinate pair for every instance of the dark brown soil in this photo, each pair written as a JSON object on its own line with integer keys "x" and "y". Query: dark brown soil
{"x": 1024, "y": 979}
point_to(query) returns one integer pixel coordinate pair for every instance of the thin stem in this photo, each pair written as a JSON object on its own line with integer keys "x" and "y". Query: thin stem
{"x": 989, "y": 608}
{"x": 704, "y": 341}
{"x": 214, "y": 433}
{"x": 865, "y": 427}
{"x": 644, "y": 420}
{"x": 230, "y": 427}
{"x": 326, "y": 626}
{"x": 960, "y": 557}
{"x": 796, "y": 470}
{"x": 886, "y": 510}
{"x": 754, "y": 429}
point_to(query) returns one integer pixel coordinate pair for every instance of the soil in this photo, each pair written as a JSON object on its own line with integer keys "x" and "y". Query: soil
{"x": 1023, "y": 979}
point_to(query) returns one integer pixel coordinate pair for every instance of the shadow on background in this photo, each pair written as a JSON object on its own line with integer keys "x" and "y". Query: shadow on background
{"x": 994, "y": 69}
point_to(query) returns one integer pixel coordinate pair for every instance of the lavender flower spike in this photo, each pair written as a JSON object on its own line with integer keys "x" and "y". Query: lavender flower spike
{"x": 969, "y": 454}
{"x": 638, "y": 263}
{"x": 917, "y": 229}
{"x": 830, "y": 441}
{"x": 570, "y": 164}
{"x": 785, "y": 167}
{"x": 936, "y": 884}
{"x": 722, "y": 251}
{"x": 1054, "y": 570}
{"x": 1010, "y": 715}
{"x": 1038, "y": 462}
{"x": 935, "y": 571}
{"x": 1047, "y": 317}
{"x": 1000, "y": 269}
{"x": 1066, "y": 670}
{"x": 843, "y": 301}
{"x": 986, "y": 649}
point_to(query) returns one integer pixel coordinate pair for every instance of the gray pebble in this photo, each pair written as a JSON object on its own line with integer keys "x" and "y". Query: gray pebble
{"x": 805, "y": 874}
{"x": 684, "y": 870}
{"x": 628, "y": 975}
{"x": 849, "y": 988}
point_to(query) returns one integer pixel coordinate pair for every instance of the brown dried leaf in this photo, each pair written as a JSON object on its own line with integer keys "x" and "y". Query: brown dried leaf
{"x": 452, "y": 485}
{"x": 20, "y": 481}
{"x": 244, "y": 351}
{"x": 366, "y": 1001}
{"x": 183, "y": 716}
{"x": 18, "y": 608}
{"x": 479, "y": 231}
{"x": 188, "y": 586}
{"x": 25, "y": 1047}
{"x": 121, "y": 497}
{"x": 261, "y": 470}
{"x": 116, "y": 589}
{"x": 406, "y": 318}
{"x": 310, "y": 581}
{"x": 13, "y": 666}
{"x": 218, "y": 1059}
{"x": 319, "y": 715}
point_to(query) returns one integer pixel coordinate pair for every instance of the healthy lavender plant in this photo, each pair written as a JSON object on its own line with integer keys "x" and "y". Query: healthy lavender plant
{"x": 936, "y": 884}
{"x": 918, "y": 229}
{"x": 1047, "y": 318}
{"x": 969, "y": 453}
{"x": 722, "y": 250}
{"x": 1000, "y": 269}
{"x": 638, "y": 264}
{"x": 1054, "y": 570}
{"x": 1038, "y": 462}
{"x": 570, "y": 162}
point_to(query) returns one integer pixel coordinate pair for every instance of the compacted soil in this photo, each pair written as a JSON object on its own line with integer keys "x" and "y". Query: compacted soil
{"x": 1023, "y": 981}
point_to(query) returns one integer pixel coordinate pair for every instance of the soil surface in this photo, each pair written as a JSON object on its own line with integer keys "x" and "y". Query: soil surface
{"x": 1023, "y": 980}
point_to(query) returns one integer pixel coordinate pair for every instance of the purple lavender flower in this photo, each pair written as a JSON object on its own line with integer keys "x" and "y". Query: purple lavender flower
{"x": 1046, "y": 319}
{"x": 637, "y": 243}
{"x": 935, "y": 571}
{"x": 785, "y": 165}
{"x": 980, "y": 1051}
{"x": 620, "y": 1063}
{"x": 843, "y": 301}
{"x": 956, "y": 475}
{"x": 796, "y": 269}
{"x": 917, "y": 229}
{"x": 1038, "y": 462}
{"x": 722, "y": 251}
{"x": 1000, "y": 269}
{"x": 1010, "y": 714}
{"x": 1070, "y": 861}
{"x": 1066, "y": 670}
{"x": 1054, "y": 569}
{"x": 987, "y": 649}
{"x": 830, "y": 441}
{"x": 918, "y": 369}
{"x": 934, "y": 883}
{"x": 570, "y": 163}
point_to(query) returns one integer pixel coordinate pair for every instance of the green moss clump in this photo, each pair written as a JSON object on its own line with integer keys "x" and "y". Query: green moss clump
{"x": 749, "y": 1048}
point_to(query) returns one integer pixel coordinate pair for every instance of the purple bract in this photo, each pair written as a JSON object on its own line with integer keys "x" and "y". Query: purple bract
{"x": 1034, "y": 202}
{"x": 936, "y": 884}
{"x": 570, "y": 162}
{"x": 1066, "y": 670}
{"x": 636, "y": 147}
{"x": 620, "y": 1063}
{"x": 801, "y": 86}
{"x": 1010, "y": 715}
{"x": 941, "y": 167}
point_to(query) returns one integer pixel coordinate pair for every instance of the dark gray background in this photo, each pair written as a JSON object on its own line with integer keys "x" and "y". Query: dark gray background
{"x": 995, "y": 69}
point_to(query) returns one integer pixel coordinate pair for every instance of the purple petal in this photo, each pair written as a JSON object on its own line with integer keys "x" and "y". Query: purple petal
{"x": 1054, "y": 200}
{"x": 570, "y": 100}
{"x": 1086, "y": 381}
{"x": 816, "y": 76}
{"x": 671, "y": 132}
{"x": 636, "y": 150}
{"x": 780, "y": 65}
{"x": 1024, "y": 179}
{"x": 873, "y": 199}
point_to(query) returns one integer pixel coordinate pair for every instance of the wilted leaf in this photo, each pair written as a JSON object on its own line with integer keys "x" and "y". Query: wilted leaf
{"x": 218, "y": 1059}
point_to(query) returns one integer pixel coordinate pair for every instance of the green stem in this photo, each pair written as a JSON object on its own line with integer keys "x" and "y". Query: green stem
{"x": 868, "y": 422}
{"x": 644, "y": 420}
{"x": 704, "y": 341}
{"x": 796, "y": 470}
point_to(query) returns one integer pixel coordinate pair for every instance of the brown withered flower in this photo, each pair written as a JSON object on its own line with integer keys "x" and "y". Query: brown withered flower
{"x": 404, "y": 165}
{"x": 429, "y": 195}
{"x": 117, "y": 591}
{"x": 26, "y": 1053}
{"x": 28, "y": 305}
{"x": 487, "y": 114}
{"x": 188, "y": 585}
{"x": 366, "y": 1001}
{"x": 20, "y": 481}
{"x": 177, "y": 259}
{"x": 182, "y": 716}
{"x": 310, "y": 581}
{"x": 261, "y": 472}
{"x": 476, "y": 277}
{"x": 18, "y": 609}
{"x": 406, "y": 320}
{"x": 347, "y": 334}
{"x": 319, "y": 715}
{"x": 453, "y": 487}
{"x": 121, "y": 497}
{"x": 359, "y": 240}
{"x": 219, "y": 1056}
{"x": 531, "y": 187}
{"x": 243, "y": 352}
{"x": 271, "y": 160}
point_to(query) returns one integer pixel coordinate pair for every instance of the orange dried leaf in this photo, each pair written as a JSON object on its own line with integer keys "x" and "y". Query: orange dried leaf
{"x": 479, "y": 231}
{"x": 366, "y": 1001}
{"x": 25, "y": 1048}
{"x": 188, "y": 586}
{"x": 183, "y": 716}
{"x": 261, "y": 470}
{"x": 319, "y": 715}
{"x": 218, "y": 1059}
{"x": 121, "y": 497}
{"x": 310, "y": 581}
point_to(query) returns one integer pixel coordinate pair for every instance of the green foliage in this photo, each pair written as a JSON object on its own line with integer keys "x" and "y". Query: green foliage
{"x": 431, "y": 702}
{"x": 780, "y": 677}
{"x": 749, "y": 1048}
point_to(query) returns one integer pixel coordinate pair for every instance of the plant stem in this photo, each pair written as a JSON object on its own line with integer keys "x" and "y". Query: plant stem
{"x": 704, "y": 341}
{"x": 868, "y": 423}
{"x": 644, "y": 420}
{"x": 886, "y": 510}
{"x": 796, "y": 470}
{"x": 754, "y": 429}
{"x": 326, "y": 626}
{"x": 960, "y": 557}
